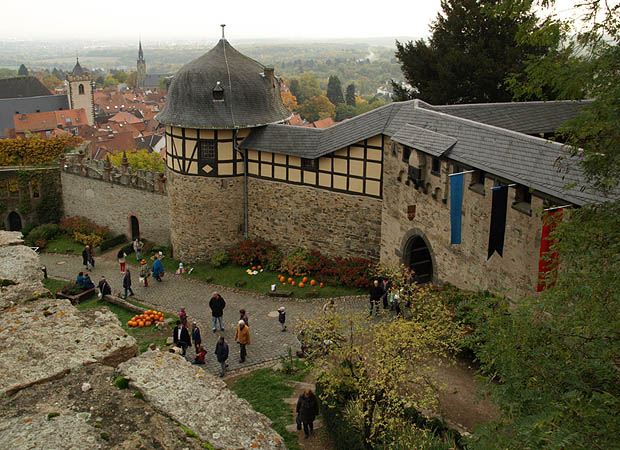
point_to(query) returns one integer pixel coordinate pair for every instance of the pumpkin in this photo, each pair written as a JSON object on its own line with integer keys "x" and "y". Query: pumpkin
{"x": 129, "y": 323}
{"x": 140, "y": 323}
{"x": 305, "y": 279}
{"x": 312, "y": 282}
{"x": 148, "y": 323}
{"x": 292, "y": 283}
{"x": 301, "y": 284}
{"x": 253, "y": 267}
{"x": 290, "y": 280}
{"x": 321, "y": 285}
{"x": 259, "y": 267}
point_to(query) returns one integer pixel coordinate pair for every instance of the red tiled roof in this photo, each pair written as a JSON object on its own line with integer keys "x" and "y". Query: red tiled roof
{"x": 296, "y": 120}
{"x": 323, "y": 123}
{"x": 125, "y": 117}
{"x": 49, "y": 120}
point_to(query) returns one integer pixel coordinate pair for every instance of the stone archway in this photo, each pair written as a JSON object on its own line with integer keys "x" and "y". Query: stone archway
{"x": 15, "y": 222}
{"x": 417, "y": 254}
{"x": 134, "y": 227}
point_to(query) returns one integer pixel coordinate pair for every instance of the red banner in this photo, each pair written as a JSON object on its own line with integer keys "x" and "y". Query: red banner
{"x": 548, "y": 263}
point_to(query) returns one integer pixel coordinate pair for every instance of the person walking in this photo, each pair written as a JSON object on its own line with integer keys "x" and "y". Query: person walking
{"x": 183, "y": 317}
{"x": 307, "y": 409}
{"x": 104, "y": 287}
{"x": 91, "y": 256}
{"x": 221, "y": 352}
{"x": 196, "y": 336}
{"x": 181, "y": 337}
{"x": 86, "y": 257}
{"x": 242, "y": 336}
{"x": 158, "y": 269}
{"x": 127, "y": 284}
{"x": 395, "y": 300}
{"x": 386, "y": 286}
{"x": 217, "y": 305}
{"x": 243, "y": 316}
{"x": 282, "y": 317}
{"x": 121, "y": 255}
{"x": 376, "y": 292}
{"x": 145, "y": 272}
{"x": 137, "y": 247}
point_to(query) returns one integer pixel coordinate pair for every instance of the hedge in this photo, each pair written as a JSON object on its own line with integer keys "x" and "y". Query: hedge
{"x": 345, "y": 437}
{"x": 112, "y": 242}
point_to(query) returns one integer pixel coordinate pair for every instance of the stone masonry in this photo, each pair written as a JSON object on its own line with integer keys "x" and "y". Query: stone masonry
{"x": 294, "y": 216}
{"x": 464, "y": 265}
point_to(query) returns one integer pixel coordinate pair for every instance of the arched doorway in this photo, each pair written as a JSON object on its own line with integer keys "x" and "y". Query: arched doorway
{"x": 417, "y": 256}
{"x": 15, "y": 222}
{"x": 135, "y": 227}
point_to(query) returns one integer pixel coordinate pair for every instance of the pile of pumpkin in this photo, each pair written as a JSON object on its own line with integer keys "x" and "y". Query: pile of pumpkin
{"x": 301, "y": 284}
{"x": 148, "y": 318}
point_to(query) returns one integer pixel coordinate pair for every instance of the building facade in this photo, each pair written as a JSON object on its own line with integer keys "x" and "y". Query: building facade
{"x": 80, "y": 91}
{"x": 140, "y": 68}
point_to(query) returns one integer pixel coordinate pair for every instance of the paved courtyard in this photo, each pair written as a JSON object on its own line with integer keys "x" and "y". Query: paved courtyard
{"x": 174, "y": 292}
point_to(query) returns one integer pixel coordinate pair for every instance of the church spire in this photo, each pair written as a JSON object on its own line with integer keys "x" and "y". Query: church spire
{"x": 140, "y": 54}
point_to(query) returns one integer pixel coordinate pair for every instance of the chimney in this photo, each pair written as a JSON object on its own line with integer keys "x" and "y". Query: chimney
{"x": 268, "y": 71}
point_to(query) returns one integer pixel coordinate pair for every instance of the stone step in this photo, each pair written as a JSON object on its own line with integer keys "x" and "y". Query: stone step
{"x": 291, "y": 401}
{"x": 293, "y": 427}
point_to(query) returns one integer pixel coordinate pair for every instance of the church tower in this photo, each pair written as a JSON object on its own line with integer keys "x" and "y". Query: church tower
{"x": 80, "y": 90}
{"x": 140, "y": 68}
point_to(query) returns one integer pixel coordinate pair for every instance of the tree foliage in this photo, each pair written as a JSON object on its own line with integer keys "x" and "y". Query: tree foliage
{"x": 289, "y": 100}
{"x": 51, "y": 82}
{"x": 22, "y": 71}
{"x": 350, "y": 95}
{"x": 334, "y": 90}
{"x": 34, "y": 151}
{"x": 139, "y": 159}
{"x": 470, "y": 53}
{"x": 317, "y": 107}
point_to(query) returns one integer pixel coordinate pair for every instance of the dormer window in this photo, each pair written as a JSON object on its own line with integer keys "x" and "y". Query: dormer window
{"x": 218, "y": 93}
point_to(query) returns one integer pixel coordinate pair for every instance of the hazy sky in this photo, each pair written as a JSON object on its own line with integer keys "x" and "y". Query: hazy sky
{"x": 156, "y": 20}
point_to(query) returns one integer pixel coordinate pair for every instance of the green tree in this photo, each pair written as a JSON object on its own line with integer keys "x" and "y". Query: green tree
{"x": 471, "y": 52}
{"x": 317, "y": 107}
{"x": 22, "y": 71}
{"x": 308, "y": 87}
{"x": 350, "y": 95}
{"x": 110, "y": 81}
{"x": 139, "y": 159}
{"x": 132, "y": 79}
{"x": 51, "y": 82}
{"x": 334, "y": 90}
{"x": 344, "y": 111}
{"x": 294, "y": 88}
{"x": 7, "y": 73}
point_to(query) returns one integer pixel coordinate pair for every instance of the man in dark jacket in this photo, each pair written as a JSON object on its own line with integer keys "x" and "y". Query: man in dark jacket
{"x": 307, "y": 409}
{"x": 221, "y": 351}
{"x": 104, "y": 287}
{"x": 196, "y": 336}
{"x": 217, "y": 305}
{"x": 127, "y": 283}
{"x": 86, "y": 257}
{"x": 181, "y": 337}
{"x": 376, "y": 292}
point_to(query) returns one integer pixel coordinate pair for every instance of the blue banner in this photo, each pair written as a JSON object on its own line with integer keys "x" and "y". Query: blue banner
{"x": 456, "y": 206}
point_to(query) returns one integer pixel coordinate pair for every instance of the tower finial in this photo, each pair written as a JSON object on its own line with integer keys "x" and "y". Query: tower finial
{"x": 223, "y": 25}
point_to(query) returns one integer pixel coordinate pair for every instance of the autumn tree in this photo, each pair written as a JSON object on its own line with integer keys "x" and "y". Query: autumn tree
{"x": 308, "y": 87}
{"x": 317, "y": 107}
{"x": 350, "y": 95}
{"x": 22, "y": 71}
{"x": 139, "y": 159}
{"x": 289, "y": 100}
{"x": 344, "y": 111}
{"x": 472, "y": 50}
{"x": 334, "y": 90}
{"x": 132, "y": 79}
{"x": 51, "y": 82}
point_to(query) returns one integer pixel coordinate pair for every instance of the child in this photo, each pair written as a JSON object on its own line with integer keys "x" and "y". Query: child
{"x": 200, "y": 355}
{"x": 183, "y": 317}
{"x": 282, "y": 317}
{"x": 121, "y": 255}
{"x": 145, "y": 272}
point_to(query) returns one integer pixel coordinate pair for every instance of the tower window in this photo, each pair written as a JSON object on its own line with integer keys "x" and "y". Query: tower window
{"x": 81, "y": 89}
{"x": 206, "y": 149}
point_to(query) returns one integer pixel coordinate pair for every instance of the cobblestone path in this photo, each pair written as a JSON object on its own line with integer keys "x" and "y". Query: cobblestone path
{"x": 174, "y": 292}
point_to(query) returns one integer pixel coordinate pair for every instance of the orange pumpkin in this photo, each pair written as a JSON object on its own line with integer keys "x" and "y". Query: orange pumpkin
{"x": 292, "y": 283}
{"x": 140, "y": 323}
{"x": 253, "y": 267}
{"x": 290, "y": 280}
{"x": 148, "y": 323}
{"x": 259, "y": 267}
{"x": 301, "y": 284}
{"x": 130, "y": 323}
{"x": 305, "y": 279}
{"x": 321, "y": 285}
{"x": 312, "y": 282}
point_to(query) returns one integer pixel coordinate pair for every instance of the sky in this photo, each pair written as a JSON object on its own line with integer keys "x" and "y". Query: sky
{"x": 159, "y": 20}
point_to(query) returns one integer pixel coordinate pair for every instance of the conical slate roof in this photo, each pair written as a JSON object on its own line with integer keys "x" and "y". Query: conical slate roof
{"x": 250, "y": 97}
{"x": 77, "y": 69}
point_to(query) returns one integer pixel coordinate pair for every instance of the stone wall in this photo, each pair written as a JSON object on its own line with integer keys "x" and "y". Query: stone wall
{"x": 112, "y": 204}
{"x": 464, "y": 265}
{"x": 206, "y": 214}
{"x": 294, "y": 216}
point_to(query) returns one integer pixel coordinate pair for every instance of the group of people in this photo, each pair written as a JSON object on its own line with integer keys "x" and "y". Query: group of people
{"x": 389, "y": 295}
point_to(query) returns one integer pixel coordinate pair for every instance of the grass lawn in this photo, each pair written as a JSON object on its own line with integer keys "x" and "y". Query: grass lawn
{"x": 230, "y": 274}
{"x": 53, "y": 284}
{"x": 62, "y": 243}
{"x": 265, "y": 390}
{"x": 143, "y": 336}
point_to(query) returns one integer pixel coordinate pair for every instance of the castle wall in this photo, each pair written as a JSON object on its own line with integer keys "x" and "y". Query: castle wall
{"x": 294, "y": 216}
{"x": 113, "y": 204}
{"x": 464, "y": 265}
{"x": 206, "y": 214}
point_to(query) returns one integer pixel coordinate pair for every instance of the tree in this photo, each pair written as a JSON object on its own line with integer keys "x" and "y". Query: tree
{"x": 471, "y": 52}
{"x": 350, "y": 95}
{"x": 7, "y": 73}
{"x": 308, "y": 87}
{"x": 22, "y": 71}
{"x": 289, "y": 100}
{"x": 51, "y": 82}
{"x": 317, "y": 107}
{"x": 110, "y": 81}
{"x": 139, "y": 159}
{"x": 344, "y": 111}
{"x": 334, "y": 90}
{"x": 132, "y": 79}
{"x": 294, "y": 87}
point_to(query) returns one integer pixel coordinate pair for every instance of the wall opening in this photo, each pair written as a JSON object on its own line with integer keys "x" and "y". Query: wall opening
{"x": 15, "y": 222}
{"x": 135, "y": 227}
{"x": 417, "y": 256}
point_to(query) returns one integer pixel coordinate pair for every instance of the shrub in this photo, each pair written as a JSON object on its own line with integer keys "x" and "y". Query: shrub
{"x": 273, "y": 260}
{"x": 91, "y": 239}
{"x": 296, "y": 263}
{"x": 42, "y": 233}
{"x": 353, "y": 272}
{"x": 219, "y": 259}
{"x": 82, "y": 225}
{"x": 26, "y": 229}
{"x": 251, "y": 252}
{"x": 121, "y": 382}
{"x": 345, "y": 436}
{"x": 112, "y": 242}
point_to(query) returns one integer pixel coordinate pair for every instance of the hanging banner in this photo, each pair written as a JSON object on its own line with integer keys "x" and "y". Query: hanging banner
{"x": 497, "y": 229}
{"x": 456, "y": 206}
{"x": 548, "y": 263}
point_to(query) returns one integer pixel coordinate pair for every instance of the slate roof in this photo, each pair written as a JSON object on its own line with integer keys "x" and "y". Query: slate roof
{"x": 525, "y": 117}
{"x": 152, "y": 79}
{"x": 510, "y": 155}
{"x": 28, "y": 105}
{"x": 78, "y": 69}
{"x": 425, "y": 140}
{"x": 250, "y": 98}
{"x": 19, "y": 87}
